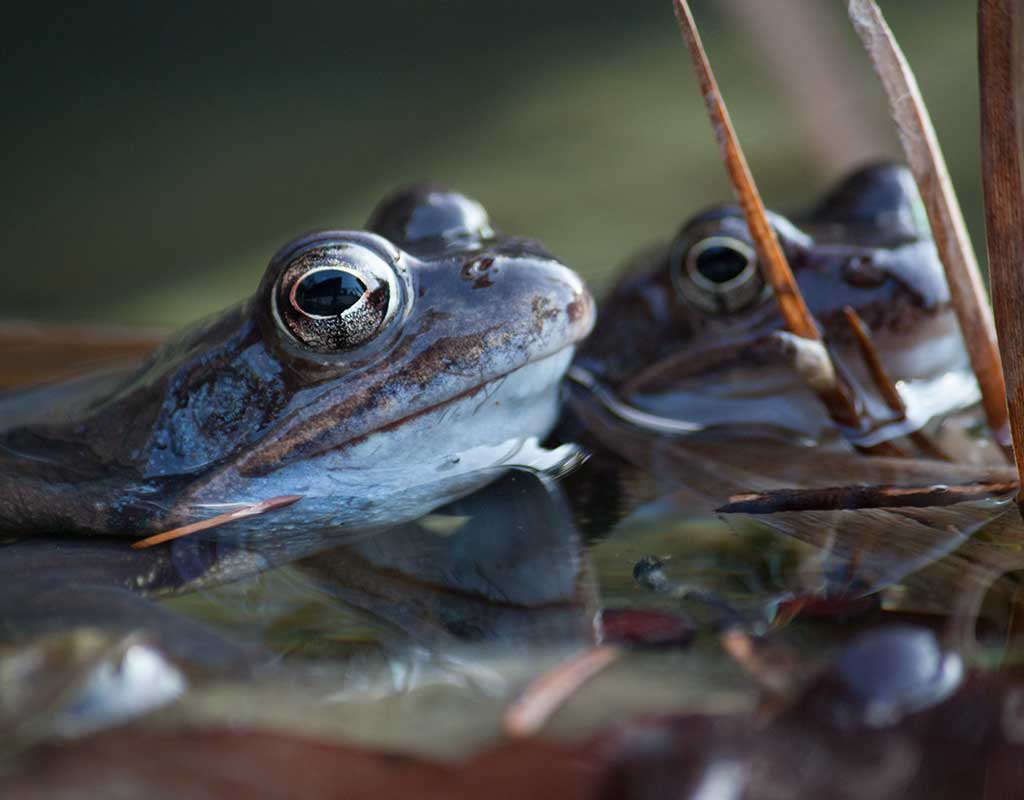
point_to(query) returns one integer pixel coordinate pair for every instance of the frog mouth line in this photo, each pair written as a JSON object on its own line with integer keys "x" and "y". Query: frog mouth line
{"x": 912, "y": 331}
{"x": 463, "y": 395}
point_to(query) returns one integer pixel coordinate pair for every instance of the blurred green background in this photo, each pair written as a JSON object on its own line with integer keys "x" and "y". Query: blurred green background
{"x": 155, "y": 155}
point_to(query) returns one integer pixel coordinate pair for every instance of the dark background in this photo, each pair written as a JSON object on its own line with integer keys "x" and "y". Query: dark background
{"x": 154, "y": 155}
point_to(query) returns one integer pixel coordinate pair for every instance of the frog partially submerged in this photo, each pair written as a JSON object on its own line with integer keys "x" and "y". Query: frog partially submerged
{"x": 376, "y": 373}
{"x": 690, "y": 333}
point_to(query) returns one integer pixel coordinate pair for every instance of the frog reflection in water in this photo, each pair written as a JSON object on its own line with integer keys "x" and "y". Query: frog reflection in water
{"x": 378, "y": 374}
{"x": 689, "y": 333}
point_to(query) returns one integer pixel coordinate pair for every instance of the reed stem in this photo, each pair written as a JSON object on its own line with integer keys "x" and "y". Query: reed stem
{"x": 924, "y": 156}
{"x": 1000, "y": 63}
{"x": 837, "y": 397}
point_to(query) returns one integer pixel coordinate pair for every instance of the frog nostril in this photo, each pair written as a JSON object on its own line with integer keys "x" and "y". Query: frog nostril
{"x": 862, "y": 271}
{"x": 479, "y": 271}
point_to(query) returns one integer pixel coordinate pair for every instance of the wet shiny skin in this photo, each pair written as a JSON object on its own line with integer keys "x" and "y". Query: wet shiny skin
{"x": 435, "y": 381}
{"x": 672, "y": 341}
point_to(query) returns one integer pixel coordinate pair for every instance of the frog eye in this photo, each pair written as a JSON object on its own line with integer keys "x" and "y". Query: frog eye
{"x": 335, "y": 297}
{"x": 326, "y": 292}
{"x": 718, "y": 274}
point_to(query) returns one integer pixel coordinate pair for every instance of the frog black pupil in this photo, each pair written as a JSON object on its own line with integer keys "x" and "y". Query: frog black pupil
{"x": 721, "y": 264}
{"x": 328, "y": 292}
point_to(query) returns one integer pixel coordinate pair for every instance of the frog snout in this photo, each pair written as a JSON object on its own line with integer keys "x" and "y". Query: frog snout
{"x": 566, "y": 299}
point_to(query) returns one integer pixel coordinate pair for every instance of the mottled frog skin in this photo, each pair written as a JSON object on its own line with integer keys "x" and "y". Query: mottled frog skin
{"x": 689, "y": 332}
{"x": 378, "y": 373}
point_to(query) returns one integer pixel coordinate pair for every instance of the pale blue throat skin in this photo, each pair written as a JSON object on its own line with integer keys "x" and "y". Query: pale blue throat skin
{"x": 377, "y": 373}
{"x": 689, "y": 337}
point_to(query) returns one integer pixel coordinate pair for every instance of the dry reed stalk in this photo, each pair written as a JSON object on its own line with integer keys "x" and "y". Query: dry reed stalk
{"x": 1000, "y": 64}
{"x": 921, "y": 147}
{"x": 837, "y": 396}
{"x": 883, "y": 381}
{"x": 549, "y": 692}
{"x": 252, "y": 510}
{"x": 850, "y": 498}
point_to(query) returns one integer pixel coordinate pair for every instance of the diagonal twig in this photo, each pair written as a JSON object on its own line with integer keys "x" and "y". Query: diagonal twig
{"x": 545, "y": 695}
{"x": 773, "y": 262}
{"x": 837, "y": 396}
{"x": 921, "y": 146}
{"x": 252, "y": 510}
{"x": 883, "y": 381}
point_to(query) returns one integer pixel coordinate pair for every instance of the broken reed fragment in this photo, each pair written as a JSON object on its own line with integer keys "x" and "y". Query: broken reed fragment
{"x": 884, "y": 383}
{"x": 851, "y": 498}
{"x": 924, "y": 156}
{"x": 253, "y": 510}
{"x": 634, "y": 628}
{"x": 999, "y": 64}
{"x": 529, "y": 712}
{"x": 879, "y": 374}
{"x": 837, "y": 398}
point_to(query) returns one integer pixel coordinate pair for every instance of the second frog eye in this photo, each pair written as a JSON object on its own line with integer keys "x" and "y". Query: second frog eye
{"x": 335, "y": 297}
{"x": 718, "y": 274}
